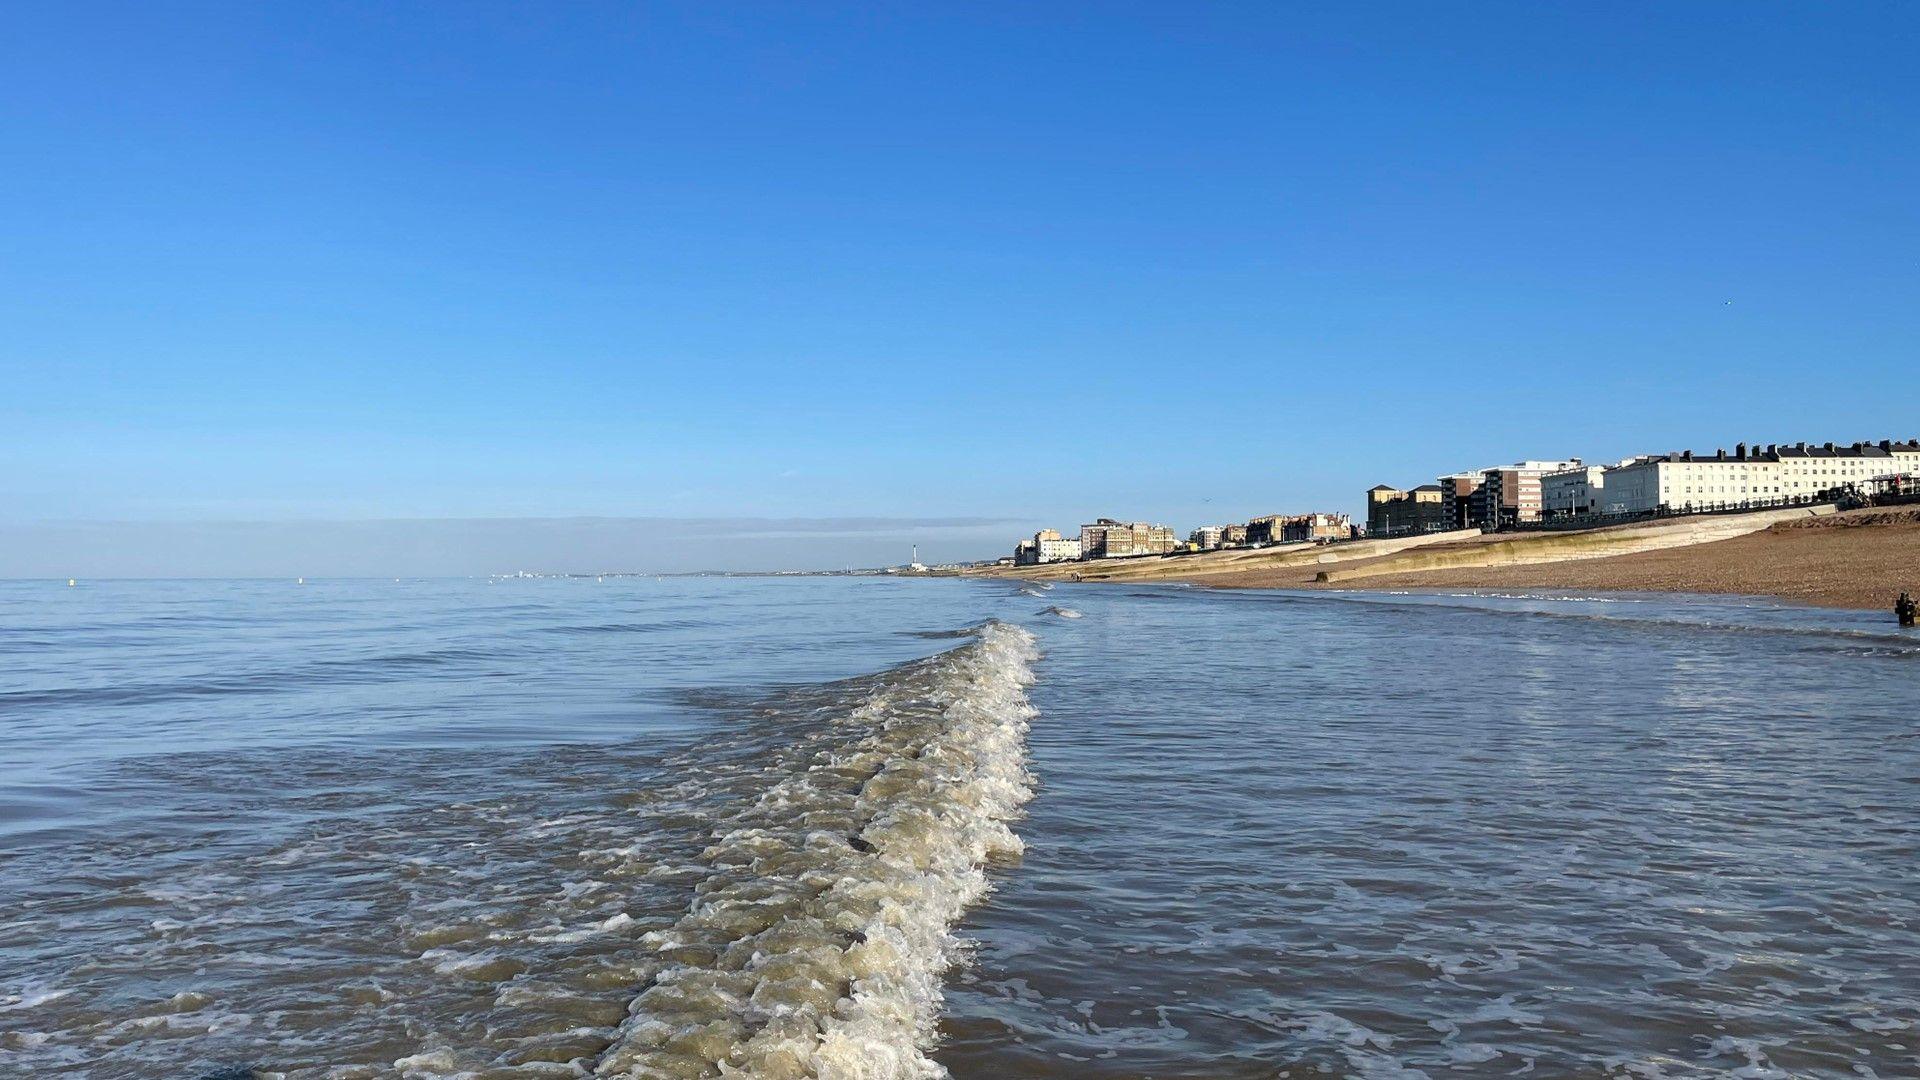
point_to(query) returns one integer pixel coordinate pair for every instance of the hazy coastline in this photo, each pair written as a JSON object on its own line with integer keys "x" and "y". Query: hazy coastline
{"x": 1860, "y": 559}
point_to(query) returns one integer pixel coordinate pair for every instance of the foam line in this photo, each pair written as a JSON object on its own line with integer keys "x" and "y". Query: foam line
{"x": 817, "y": 945}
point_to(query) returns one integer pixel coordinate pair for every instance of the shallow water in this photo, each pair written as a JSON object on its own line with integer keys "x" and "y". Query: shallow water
{"x": 641, "y": 827}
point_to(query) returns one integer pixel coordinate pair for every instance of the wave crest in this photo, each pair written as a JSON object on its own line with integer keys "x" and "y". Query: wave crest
{"x": 817, "y": 944}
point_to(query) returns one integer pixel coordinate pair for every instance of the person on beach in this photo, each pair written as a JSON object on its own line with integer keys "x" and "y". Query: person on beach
{"x": 1904, "y": 609}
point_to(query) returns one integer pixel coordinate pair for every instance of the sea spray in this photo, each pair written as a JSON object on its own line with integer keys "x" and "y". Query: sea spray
{"x": 817, "y": 944}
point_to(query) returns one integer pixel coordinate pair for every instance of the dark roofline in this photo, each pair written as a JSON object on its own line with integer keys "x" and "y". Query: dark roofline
{"x": 1793, "y": 452}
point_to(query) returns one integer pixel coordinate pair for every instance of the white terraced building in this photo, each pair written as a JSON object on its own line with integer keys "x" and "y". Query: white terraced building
{"x": 1771, "y": 474}
{"x": 1573, "y": 491}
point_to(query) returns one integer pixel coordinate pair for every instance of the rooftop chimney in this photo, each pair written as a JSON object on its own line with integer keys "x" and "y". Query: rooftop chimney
{"x": 1720, "y": 454}
{"x": 1740, "y": 451}
{"x": 1686, "y": 455}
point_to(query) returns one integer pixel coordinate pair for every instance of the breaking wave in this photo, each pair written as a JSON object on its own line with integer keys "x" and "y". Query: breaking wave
{"x": 816, "y": 944}
{"x": 775, "y": 899}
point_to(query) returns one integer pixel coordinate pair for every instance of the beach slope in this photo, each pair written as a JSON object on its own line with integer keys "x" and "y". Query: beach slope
{"x": 1857, "y": 559}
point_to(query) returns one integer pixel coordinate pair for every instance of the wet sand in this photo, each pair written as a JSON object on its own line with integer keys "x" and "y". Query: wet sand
{"x": 1859, "y": 559}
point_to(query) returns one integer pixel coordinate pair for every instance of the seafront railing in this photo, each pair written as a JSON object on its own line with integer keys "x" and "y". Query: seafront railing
{"x": 1575, "y": 522}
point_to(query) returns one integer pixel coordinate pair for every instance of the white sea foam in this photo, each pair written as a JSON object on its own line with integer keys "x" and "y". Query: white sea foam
{"x": 816, "y": 945}
{"x": 30, "y": 996}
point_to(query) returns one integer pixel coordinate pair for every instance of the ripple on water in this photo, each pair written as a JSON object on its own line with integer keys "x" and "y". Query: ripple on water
{"x": 784, "y": 893}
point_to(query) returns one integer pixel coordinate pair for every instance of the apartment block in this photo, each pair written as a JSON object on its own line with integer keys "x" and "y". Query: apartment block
{"x": 1509, "y": 495}
{"x": 1393, "y": 512}
{"x": 1298, "y": 528}
{"x": 1456, "y": 498}
{"x": 1110, "y": 539}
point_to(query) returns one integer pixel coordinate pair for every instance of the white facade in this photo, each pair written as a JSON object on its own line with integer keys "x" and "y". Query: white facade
{"x": 1633, "y": 487}
{"x": 1686, "y": 484}
{"x": 1814, "y": 469}
{"x": 1572, "y": 491}
{"x": 1777, "y": 474}
{"x": 1059, "y": 550}
{"x": 1046, "y": 546}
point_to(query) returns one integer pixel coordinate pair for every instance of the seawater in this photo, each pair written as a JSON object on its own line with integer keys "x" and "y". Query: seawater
{"x": 865, "y": 827}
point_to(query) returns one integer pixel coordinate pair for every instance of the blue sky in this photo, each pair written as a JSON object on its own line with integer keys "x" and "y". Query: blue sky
{"x": 1033, "y": 262}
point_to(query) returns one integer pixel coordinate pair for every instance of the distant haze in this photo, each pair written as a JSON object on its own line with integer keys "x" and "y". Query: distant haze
{"x": 449, "y": 546}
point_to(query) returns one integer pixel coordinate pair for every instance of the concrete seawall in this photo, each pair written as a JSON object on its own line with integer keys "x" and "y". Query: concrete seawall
{"x": 1206, "y": 564}
{"x": 1564, "y": 547}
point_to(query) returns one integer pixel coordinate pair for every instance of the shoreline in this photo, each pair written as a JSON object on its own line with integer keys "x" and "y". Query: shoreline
{"x": 1860, "y": 560}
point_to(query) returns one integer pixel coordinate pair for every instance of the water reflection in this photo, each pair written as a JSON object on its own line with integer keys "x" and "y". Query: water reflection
{"x": 1273, "y": 834}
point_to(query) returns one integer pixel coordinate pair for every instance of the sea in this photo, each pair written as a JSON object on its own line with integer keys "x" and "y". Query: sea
{"x": 873, "y": 827}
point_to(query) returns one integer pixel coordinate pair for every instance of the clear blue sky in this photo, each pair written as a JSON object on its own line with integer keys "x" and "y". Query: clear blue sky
{"x": 1187, "y": 261}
